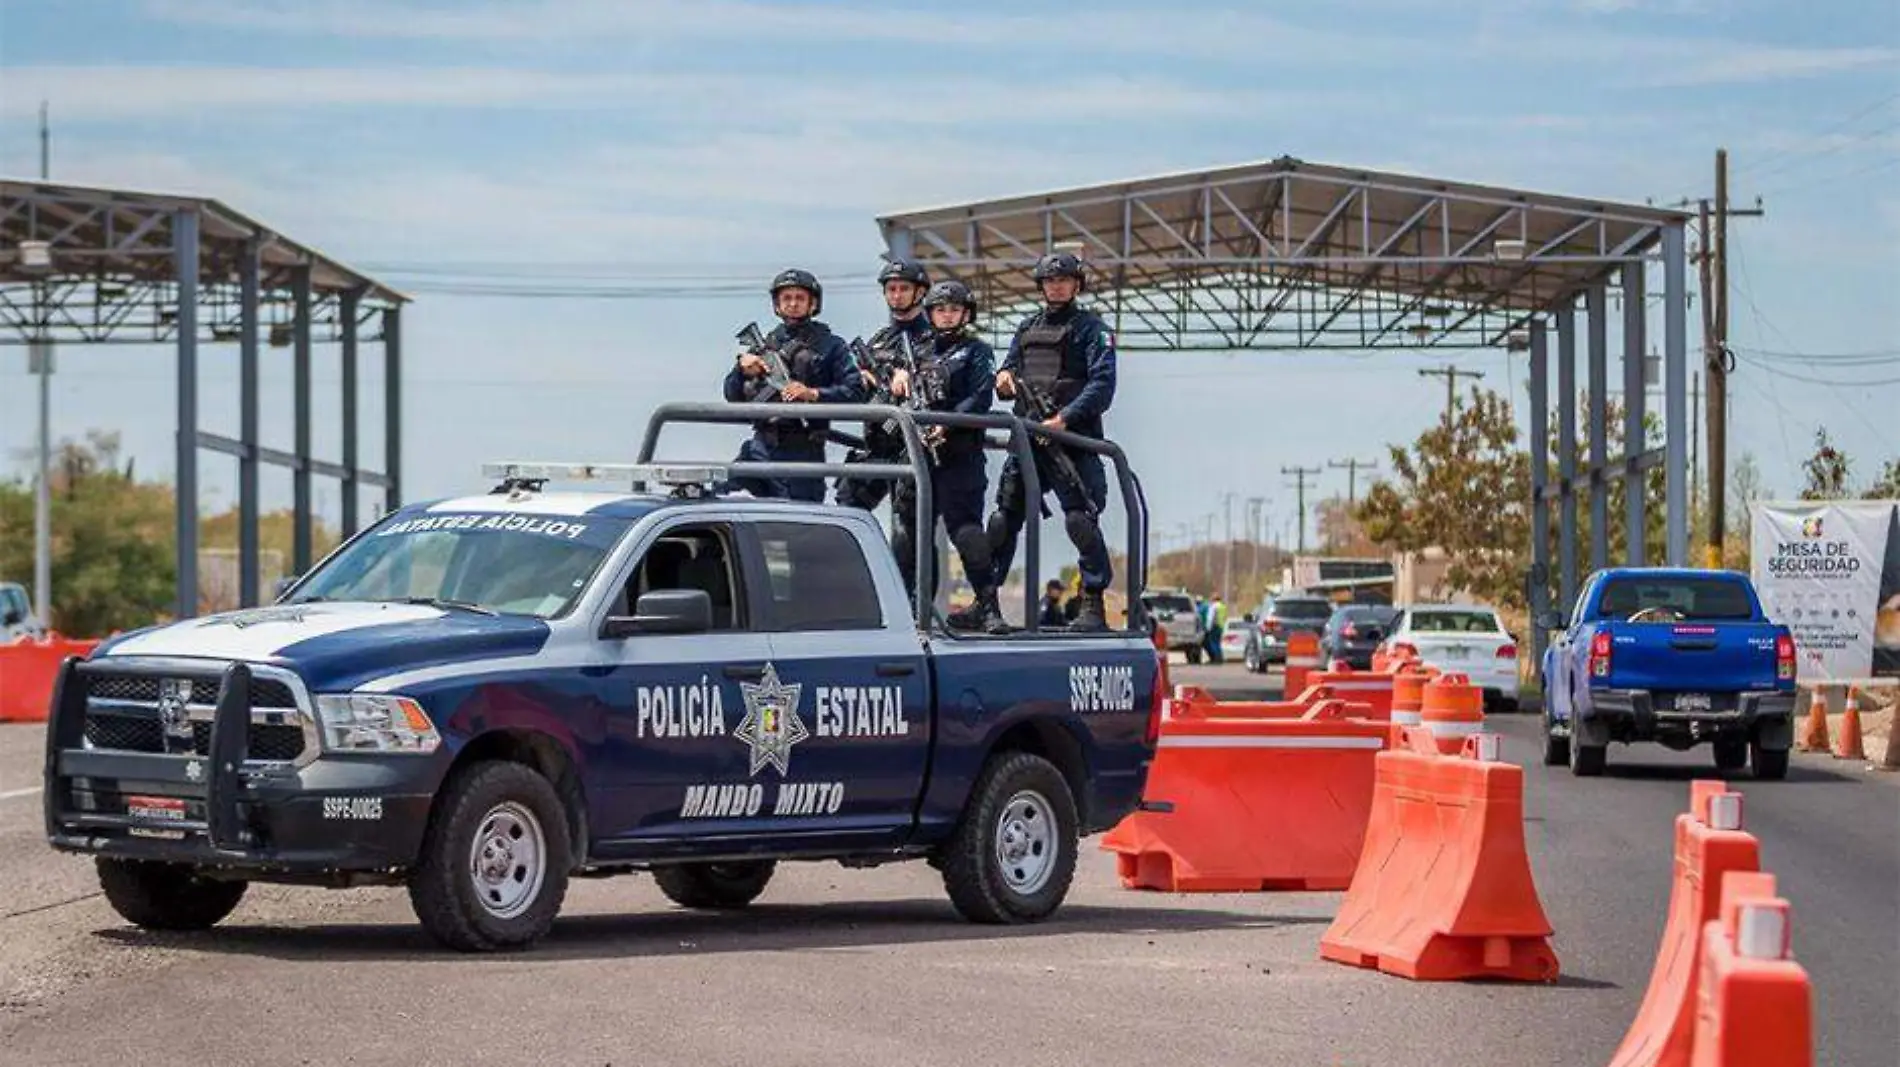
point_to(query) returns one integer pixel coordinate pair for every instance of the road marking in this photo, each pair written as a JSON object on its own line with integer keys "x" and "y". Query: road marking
{"x": 12, "y": 793}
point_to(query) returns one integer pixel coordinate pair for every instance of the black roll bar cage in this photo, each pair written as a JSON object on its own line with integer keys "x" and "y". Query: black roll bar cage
{"x": 1020, "y": 433}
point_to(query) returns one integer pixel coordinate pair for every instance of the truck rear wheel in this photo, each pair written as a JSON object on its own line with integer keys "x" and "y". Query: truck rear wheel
{"x": 1770, "y": 764}
{"x": 1556, "y": 749}
{"x": 495, "y": 859}
{"x": 166, "y": 896}
{"x": 714, "y": 885}
{"x": 1014, "y": 853}
{"x": 1587, "y": 761}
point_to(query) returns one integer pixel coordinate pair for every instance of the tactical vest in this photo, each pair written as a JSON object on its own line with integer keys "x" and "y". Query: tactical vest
{"x": 1051, "y": 362}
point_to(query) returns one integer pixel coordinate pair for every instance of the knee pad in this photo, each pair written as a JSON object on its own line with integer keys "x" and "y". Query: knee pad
{"x": 1083, "y": 532}
{"x": 974, "y": 546}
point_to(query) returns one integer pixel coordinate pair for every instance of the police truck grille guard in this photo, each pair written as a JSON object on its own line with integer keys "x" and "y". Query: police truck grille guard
{"x": 212, "y": 776}
{"x": 1021, "y": 433}
{"x": 126, "y": 711}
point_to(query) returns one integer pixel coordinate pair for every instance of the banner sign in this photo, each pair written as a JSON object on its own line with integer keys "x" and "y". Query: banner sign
{"x": 1830, "y": 572}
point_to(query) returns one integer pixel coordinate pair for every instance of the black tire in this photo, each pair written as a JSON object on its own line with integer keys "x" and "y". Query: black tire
{"x": 1770, "y": 764}
{"x": 1556, "y": 749}
{"x": 1194, "y": 655}
{"x": 1587, "y": 761}
{"x": 716, "y": 886}
{"x": 975, "y": 872}
{"x": 166, "y": 896}
{"x": 443, "y": 887}
{"x": 1730, "y": 755}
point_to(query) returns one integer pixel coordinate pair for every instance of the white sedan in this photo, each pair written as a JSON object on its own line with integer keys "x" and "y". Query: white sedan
{"x": 1233, "y": 640}
{"x": 1466, "y": 639}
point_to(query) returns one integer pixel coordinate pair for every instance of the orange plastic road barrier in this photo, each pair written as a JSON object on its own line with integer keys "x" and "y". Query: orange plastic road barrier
{"x": 1362, "y": 687}
{"x": 1754, "y": 1003}
{"x": 1710, "y": 844}
{"x": 1814, "y": 731}
{"x": 1302, "y": 659}
{"x": 1444, "y": 889}
{"x": 1408, "y": 696}
{"x": 27, "y": 670}
{"x": 1257, "y": 804}
{"x": 1452, "y": 709}
{"x": 1849, "y": 746}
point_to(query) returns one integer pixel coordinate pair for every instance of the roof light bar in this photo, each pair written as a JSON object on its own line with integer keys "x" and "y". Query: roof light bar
{"x": 670, "y": 474}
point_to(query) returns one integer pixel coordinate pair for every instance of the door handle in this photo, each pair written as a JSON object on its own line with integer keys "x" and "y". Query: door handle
{"x": 898, "y": 669}
{"x": 745, "y": 673}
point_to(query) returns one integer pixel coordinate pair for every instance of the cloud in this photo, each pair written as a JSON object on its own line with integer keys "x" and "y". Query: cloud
{"x": 1727, "y": 63}
{"x": 82, "y": 93}
{"x": 108, "y": 93}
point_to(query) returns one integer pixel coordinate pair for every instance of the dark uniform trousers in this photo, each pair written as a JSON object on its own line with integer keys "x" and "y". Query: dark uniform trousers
{"x": 1012, "y": 511}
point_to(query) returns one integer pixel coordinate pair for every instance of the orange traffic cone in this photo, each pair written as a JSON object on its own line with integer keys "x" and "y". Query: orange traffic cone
{"x": 1850, "y": 743}
{"x": 1814, "y": 733}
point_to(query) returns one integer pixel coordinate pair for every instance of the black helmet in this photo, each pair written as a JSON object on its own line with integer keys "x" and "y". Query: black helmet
{"x": 904, "y": 270}
{"x": 951, "y": 291}
{"x": 1059, "y": 265}
{"x": 793, "y": 278}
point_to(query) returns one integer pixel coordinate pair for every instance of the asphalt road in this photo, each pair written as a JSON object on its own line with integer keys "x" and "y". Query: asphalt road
{"x": 843, "y": 967}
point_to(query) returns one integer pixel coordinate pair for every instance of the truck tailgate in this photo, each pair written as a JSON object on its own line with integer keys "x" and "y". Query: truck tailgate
{"x": 1728, "y": 657}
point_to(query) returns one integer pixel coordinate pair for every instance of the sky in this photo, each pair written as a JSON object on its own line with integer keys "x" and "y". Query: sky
{"x": 701, "y": 145}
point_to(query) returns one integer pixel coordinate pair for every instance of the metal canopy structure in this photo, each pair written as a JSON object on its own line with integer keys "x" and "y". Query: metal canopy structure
{"x": 88, "y": 265}
{"x": 1286, "y": 254}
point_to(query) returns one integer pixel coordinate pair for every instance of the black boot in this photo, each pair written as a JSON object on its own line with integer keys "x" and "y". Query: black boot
{"x": 984, "y": 613}
{"x": 1094, "y": 614}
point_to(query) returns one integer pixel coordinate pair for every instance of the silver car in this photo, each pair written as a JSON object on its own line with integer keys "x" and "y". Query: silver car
{"x": 16, "y": 614}
{"x": 1176, "y": 613}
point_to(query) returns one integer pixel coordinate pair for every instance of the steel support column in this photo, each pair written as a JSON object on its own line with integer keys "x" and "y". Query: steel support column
{"x": 392, "y": 407}
{"x": 1567, "y": 452}
{"x": 249, "y": 594}
{"x": 1597, "y": 307}
{"x": 1635, "y": 438}
{"x": 1676, "y": 394}
{"x": 1539, "y": 578}
{"x": 301, "y": 518}
{"x": 185, "y": 265}
{"x": 350, "y": 301}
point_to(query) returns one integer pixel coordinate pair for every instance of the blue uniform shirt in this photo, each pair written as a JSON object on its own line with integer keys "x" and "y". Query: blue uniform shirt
{"x": 827, "y": 368}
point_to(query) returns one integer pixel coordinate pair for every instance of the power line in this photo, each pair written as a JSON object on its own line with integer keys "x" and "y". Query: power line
{"x": 1352, "y": 468}
{"x": 1300, "y": 474}
{"x": 1780, "y": 373}
{"x": 1791, "y": 158}
{"x": 1451, "y": 375}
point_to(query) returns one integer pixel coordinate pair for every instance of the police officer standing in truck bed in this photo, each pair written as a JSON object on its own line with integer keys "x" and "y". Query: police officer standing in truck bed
{"x": 820, "y": 366}
{"x": 904, "y": 282}
{"x": 1066, "y": 355}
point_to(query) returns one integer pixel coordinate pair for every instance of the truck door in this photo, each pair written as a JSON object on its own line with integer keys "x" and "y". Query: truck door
{"x": 838, "y": 723}
{"x": 668, "y": 762}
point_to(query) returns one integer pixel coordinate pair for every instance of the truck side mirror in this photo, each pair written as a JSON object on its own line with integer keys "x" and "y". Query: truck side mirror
{"x": 663, "y": 611}
{"x": 1551, "y": 620}
{"x": 283, "y": 585}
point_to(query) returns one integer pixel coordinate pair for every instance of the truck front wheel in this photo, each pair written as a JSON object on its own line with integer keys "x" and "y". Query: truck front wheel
{"x": 1014, "y": 853}
{"x": 714, "y": 885}
{"x": 495, "y": 859}
{"x": 166, "y": 896}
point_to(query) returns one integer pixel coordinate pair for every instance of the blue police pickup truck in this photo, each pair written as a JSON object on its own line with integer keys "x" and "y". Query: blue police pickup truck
{"x": 1675, "y": 656}
{"x": 481, "y": 698}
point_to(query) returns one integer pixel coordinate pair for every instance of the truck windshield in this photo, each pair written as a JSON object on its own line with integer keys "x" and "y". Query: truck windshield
{"x": 1171, "y": 603}
{"x": 1670, "y": 598}
{"x": 1303, "y": 609}
{"x": 510, "y": 564}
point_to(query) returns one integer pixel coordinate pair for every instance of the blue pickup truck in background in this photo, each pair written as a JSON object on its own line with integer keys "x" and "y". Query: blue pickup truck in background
{"x": 1675, "y": 656}
{"x": 479, "y": 698}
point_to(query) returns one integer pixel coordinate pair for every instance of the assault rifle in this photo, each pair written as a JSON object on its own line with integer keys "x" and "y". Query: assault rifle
{"x": 926, "y": 386}
{"x": 777, "y": 374}
{"x": 1038, "y": 405}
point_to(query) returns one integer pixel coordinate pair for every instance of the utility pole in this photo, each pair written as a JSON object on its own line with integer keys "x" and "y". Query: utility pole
{"x": 1227, "y": 551}
{"x": 1300, "y": 475}
{"x": 40, "y": 360}
{"x": 1713, "y": 261}
{"x": 1451, "y": 375}
{"x": 1351, "y": 467}
{"x": 1255, "y": 505}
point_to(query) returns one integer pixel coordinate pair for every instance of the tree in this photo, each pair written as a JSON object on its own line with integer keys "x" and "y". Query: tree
{"x": 112, "y": 540}
{"x": 1466, "y": 488}
{"x": 1340, "y": 532}
{"x": 1887, "y": 486}
{"x": 1744, "y": 488}
{"x": 1826, "y": 470}
{"x": 1655, "y": 488}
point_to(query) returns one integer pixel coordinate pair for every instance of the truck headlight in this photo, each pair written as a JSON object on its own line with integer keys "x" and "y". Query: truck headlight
{"x": 374, "y": 722}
